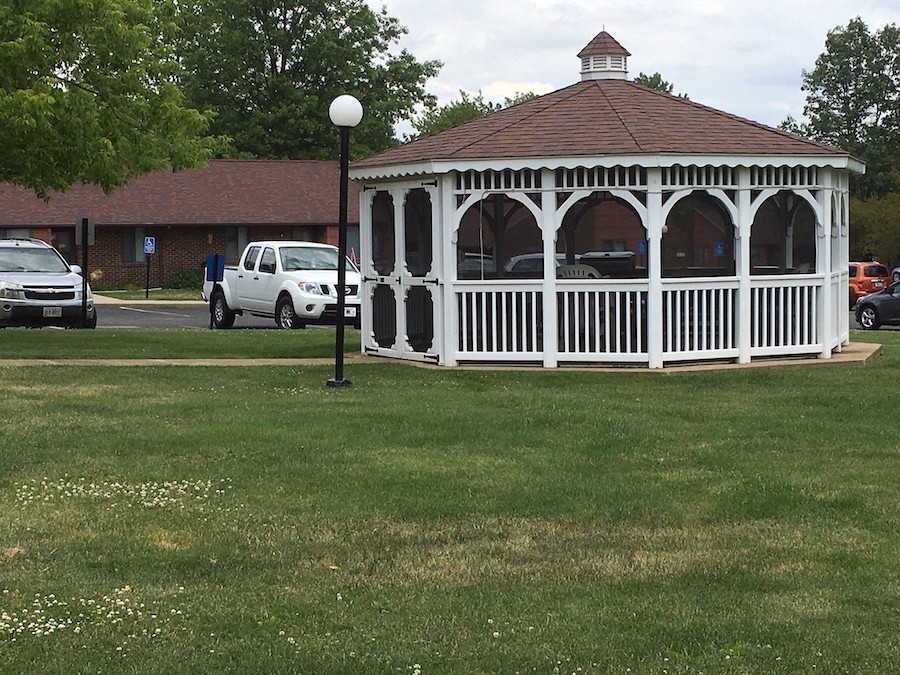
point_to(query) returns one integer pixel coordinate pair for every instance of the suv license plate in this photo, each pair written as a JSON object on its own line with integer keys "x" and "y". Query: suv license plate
{"x": 52, "y": 312}
{"x": 350, "y": 312}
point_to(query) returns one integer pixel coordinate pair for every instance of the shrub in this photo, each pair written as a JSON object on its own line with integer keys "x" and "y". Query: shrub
{"x": 187, "y": 279}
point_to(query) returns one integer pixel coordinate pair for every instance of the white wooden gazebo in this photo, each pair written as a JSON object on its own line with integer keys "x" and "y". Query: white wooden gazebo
{"x": 605, "y": 223}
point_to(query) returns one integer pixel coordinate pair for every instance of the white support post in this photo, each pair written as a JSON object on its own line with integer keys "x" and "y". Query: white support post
{"x": 654, "y": 227}
{"x": 823, "y": 254}
{"x": 366, "y": 198}
{"x": 401, "y": 344}
{"x": 447, "y": 272}
{"x": 844, "y": 249}
{"x": 744, "y": 225}
{"x": 548, "y": 231}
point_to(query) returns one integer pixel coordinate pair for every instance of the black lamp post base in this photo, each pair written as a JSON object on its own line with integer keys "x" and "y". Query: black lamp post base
{"x": 333, "y": 382}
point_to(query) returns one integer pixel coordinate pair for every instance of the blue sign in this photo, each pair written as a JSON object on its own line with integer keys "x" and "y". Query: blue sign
{"x": 642, "y": 247}
{"x": 215, "y": 267}
{"x": 149, "y": 245}
{"x": 720, "y": 249}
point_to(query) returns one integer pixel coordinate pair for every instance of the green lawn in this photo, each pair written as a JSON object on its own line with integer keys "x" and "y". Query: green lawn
{"x": 128, "y": 343}
{"x": 154, "y": 295}
{"x": 252, "y": 520}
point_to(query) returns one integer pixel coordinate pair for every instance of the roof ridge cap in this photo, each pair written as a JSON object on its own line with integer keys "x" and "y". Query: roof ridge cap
{"x": 616, "y": 111}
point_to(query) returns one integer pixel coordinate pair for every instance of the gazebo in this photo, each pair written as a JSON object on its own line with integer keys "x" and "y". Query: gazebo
{"x": 605, "y": 223}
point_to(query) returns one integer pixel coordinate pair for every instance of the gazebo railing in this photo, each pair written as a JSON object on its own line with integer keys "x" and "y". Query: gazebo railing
{"x": 784, "y": 315}
{"x": 603, "y": 321}
{"x": 607, "y": 321}
{"x": 700, "y": 319}
{"x": 500, "y": 323}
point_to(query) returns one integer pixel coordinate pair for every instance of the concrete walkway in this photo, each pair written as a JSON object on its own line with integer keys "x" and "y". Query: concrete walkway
{"x": 856, "y": 353}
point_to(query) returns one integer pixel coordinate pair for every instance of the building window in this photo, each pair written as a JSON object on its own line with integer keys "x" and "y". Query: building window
{"x": 133, "y": 244}
{"x": 236, "y": 239}
{"x": 15, "y": 233}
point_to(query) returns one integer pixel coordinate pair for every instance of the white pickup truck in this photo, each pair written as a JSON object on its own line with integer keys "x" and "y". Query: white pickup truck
{"x": 294, "y": 282}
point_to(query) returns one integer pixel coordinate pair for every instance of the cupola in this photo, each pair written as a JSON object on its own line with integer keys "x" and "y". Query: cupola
{"x": 604, "y": 59}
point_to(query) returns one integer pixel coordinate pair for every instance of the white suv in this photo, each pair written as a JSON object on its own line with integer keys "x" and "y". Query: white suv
{"x": 39, "y": 288}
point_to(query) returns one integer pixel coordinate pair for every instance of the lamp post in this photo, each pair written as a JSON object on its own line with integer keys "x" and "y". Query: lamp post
{"x": 345, "y": 113}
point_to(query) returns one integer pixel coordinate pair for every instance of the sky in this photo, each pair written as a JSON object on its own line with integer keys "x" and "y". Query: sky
{"x": 745, "y": 58}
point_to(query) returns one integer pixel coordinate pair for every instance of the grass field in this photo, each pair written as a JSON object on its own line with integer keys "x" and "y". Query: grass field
{"x": 251, "y": 520}
{"x": 111, "y": 343}
{"x": 154, "y": 294}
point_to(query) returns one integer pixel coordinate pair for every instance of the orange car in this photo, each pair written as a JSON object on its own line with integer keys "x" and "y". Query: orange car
{"x": 865, "y": 278}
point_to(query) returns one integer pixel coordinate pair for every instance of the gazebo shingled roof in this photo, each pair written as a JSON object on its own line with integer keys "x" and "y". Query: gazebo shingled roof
{"x": 596, "y": 118}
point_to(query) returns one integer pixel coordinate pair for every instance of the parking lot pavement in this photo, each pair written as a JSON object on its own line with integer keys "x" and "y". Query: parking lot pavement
{"x": 189, "y": 314}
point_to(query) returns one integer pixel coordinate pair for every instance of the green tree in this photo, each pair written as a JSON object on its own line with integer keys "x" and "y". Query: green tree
{"x": 875, "y": 227}
{"x": 438, "y": 118}
{"x": 518, "y": 97}
{"x": 88, "y": 93}
{"x": 853, "y": 101}
{"x": 269, "y": 70}
{"x": 655, "y": 81}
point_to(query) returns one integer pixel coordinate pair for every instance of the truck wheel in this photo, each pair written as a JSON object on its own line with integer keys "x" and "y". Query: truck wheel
{"x": 223, "y": 317}
{"x": 285, "y": 317}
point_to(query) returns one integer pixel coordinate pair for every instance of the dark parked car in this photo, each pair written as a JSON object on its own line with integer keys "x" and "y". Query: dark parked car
{"x": 882, "y": 307}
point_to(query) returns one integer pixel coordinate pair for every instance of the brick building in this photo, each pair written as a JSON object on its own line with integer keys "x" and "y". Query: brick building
{"x": 214, "y": 209}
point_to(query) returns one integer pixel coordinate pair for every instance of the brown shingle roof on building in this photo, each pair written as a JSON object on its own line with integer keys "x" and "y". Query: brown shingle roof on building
{"x": 597, "y": 118}
{"x": 225, "y": 192}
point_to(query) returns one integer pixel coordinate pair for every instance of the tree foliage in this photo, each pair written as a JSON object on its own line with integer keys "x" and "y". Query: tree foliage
{"x": 876, "y": 227}
{"x": 655, "y": 81}
{"x": 437, "y": 118}
{"x": 88, "y": 93}
{"x": 269, "y": 70}
{"x": 853, "y": 101}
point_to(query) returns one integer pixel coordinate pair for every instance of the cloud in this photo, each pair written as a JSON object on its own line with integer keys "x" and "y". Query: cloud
{"x": 743, "y": 58}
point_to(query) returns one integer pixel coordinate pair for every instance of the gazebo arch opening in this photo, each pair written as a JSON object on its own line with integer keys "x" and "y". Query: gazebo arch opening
{"x": 698, "y": 239}
{"x": 604, "y": 232}
{"x": 499, "y": 237}
{"x": 783, "y": 236}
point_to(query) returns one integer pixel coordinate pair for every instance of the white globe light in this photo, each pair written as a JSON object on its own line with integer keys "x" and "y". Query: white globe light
{"x": 345, "y": 111}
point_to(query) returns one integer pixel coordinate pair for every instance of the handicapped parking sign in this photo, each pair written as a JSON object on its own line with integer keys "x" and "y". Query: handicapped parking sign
{"x": 149, "y": 245}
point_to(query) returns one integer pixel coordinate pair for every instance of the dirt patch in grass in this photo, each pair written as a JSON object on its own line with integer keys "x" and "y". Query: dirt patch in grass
{"x": 10, "y": 553}
{"x": 524, "y": 550}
